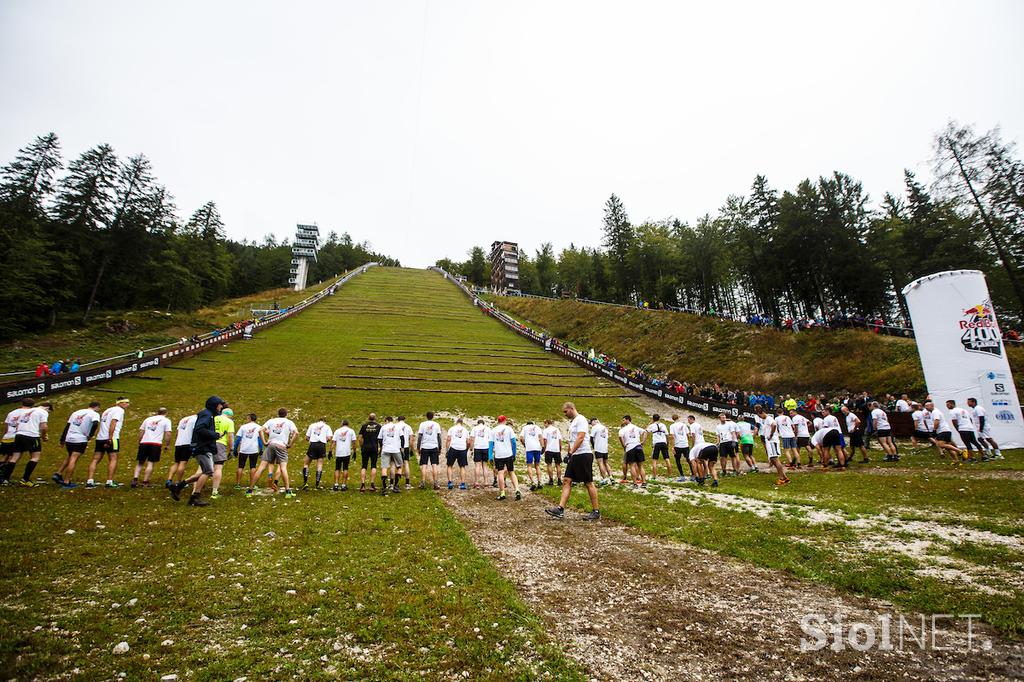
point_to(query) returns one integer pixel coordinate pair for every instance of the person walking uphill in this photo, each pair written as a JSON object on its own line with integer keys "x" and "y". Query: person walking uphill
{"x": 204, "y": 449}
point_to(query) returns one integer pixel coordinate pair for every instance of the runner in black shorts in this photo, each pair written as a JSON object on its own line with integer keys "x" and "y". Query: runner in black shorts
{"x": 709, "y": 455}
{"x": 369, "y": 451}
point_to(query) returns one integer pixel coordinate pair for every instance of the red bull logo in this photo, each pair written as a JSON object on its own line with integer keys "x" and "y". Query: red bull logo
{"x": 981, "y": 334}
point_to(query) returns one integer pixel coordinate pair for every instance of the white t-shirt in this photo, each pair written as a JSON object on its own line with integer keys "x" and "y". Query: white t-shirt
{"x": 679, "y": 431}
{"x": 851, "y": 422}
{"x": 502, "y": 437}
{"x": 697, "y": 431}
{"x": 280, "y": 430}
{"x": 964, "y": 420}
{"x": 943, "y": 427}
{"x": 659, "y": 434}
{"x": 80, "y": 425}
{"x": 530, "y": 434}
{"x": 921, "y": 422}
{"x": 318, "y": 432}
{"x": 820, "y": 434}
{"x": 697, "y": 449}
{"x": 430, "y": 433}
{"x": 902, "y": 405}
{"x": 630, "y": 436}
{"x": 481, "y": 436}
{"x": 29, "y": 421}
{"x": 880, "y": 419}
{"x": 248, "y": 435}
{"x": 390, "y": 438}
{"x": 459, "y": 435}
{"x": 724, "y": 432}
{"x": 785, "y": 426}
{"x": 766, "y": 428}
{"x": 185, "y": 426}
{"x": 800, "y": 424}
{"x": 405, "y": 431}
{"x": 11, "y": 422}
{"x": 153, "y": 429}
{"x": 743, "y": 428}
{"x": 109, "y": 415}
{"x": 831, "y": 421}
{"x": 344, "y": 441}
{"x": 762, "y": 424}
{"x": 576, "y": 427}
{"x": 818, "y": 422}
{"x": 979, "y": 412}
{"x": 553, "y": 438}
{"x": 599, "y": 433}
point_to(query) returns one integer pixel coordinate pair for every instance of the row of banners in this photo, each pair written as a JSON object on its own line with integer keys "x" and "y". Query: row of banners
{"x": 60, "y": 383}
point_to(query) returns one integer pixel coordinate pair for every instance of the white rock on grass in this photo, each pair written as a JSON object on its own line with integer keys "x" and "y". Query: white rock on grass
{"x": 321, "y": 592}
{"x": 289, "y": 591}
{"x": 69, "y": 531}
{"x": 167, "y": 642}
{"x": 169, "y": 678}
{"x": 121, "y": 648}
{"x": 133, "y": 601}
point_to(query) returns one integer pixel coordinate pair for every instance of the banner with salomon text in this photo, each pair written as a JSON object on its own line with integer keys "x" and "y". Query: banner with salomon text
{"x": 962, "y": 350}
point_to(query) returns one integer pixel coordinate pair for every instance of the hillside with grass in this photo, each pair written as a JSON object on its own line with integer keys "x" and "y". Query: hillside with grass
{"x": 705, "y": 350}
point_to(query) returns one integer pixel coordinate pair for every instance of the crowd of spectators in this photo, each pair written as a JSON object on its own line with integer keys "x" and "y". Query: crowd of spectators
{"x": 58, "y": 367}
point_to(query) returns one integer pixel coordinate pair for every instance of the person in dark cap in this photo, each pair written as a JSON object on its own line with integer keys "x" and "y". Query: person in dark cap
{"x": 204, "y": 447}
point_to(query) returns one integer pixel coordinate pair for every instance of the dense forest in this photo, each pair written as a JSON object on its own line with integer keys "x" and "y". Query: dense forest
{"x": 104, "y": 233}
{"x": 814, "y": 251}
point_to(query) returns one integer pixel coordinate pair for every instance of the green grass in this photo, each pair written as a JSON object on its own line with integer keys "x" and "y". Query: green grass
{"x": 704, "y": 350}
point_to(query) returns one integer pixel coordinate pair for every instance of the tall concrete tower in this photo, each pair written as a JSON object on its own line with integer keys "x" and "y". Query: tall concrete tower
{"x": 307, "y": 241}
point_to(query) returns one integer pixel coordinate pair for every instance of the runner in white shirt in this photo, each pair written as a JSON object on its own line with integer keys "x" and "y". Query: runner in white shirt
{"x": 279, "y": 434}
{"x": 343, "y": 443}
{"x": 943, "y": 432}
{"x": 922, "y": 427}
{"x": 787, "y": 436}
{"x": 182, "y": 450}
{"x": 803, "y": 436}
{"x": 697, "y": 466}
{"x": 428, "y": 445}
{"x": 248, "y": 447}
{"x": 530, "y": 436}
{"x": 963, "y": 422}
{"x": 826, "y": 440}
{"x": 108, "y": 442}
{"x": 883, "y": 431}
{"x": 680, "y": 433}
{"x": 659, "y": 446}
{"x": 829, "y": 420}
{"x": 81, "y": 427}
{"x": 984, "y": 433}
{"x": 855, "y": 429}
{"x": 456, "y": 447}
{"x": 154, "y": 438}
{"x": 599, "y": 441}
{"x": 480, "y": 442}
{"x": 30, "y": 432}
{"x": 903, "y": 405}
{"x": 551, "y": 439}
{"x": 407, "y": 449}
{"x": 727, "y": 432}
{"x": 391, "y": 439}
{"x": 770, "y": 431}
{"x": 504, "y": 439}
{"x": 632, "y": 438}
{"x": 318, "y": 434}
{"x": 580, "y": 467}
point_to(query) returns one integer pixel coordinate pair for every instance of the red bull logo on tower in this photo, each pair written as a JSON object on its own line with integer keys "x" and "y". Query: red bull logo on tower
{"x": 980, "y": 333}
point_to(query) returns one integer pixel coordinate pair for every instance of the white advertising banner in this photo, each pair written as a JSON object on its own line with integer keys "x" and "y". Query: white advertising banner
{"x": 962, "y": 350}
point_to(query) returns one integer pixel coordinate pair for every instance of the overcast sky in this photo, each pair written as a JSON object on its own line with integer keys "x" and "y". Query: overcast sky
{"x": 428, "y": 127}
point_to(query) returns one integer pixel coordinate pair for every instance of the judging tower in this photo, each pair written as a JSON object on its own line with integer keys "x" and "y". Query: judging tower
{"x": 307, "y": 241}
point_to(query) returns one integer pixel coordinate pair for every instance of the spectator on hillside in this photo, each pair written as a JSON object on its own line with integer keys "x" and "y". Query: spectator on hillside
{"x": 42, "y": 370}
{"x": 76, "y": 364}
{"x": 56, "y": 367}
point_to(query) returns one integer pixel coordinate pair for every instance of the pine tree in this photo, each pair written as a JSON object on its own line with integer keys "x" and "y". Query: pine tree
{"x": 26, "y": 182}
{"x": 618, "y": 238}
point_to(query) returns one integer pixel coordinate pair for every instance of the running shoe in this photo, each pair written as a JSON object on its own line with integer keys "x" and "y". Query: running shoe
{"x": 112, "y": 484}
{"x": 196, "y": 501}
{"x": 69, "y": 485}
{"x": 90, "y": 485}
{"x": 501, "y": 495}
{"x": 593, "y": 516}
{"x": 451, "y": 485}
{"x": 57, "y": 478}
{"x": 556, "y": 512}
{"x": 215, "y": 494}
{"x": 344, "y": 487}
{"x": 248, "y": 493}
{"x": 714, "y": 484}
{"x": 494, "y": 483}
{"x": 396, "y": 489}
{"x": 335, "y": 488}
{"x": 519, "y": 495}
{"x": 288, "y": 494}
{"x": 781, "y": 481}
{"x": 423, "y": 485}
{"x": 238, "y": 486}
{"x": 27, "y": 484}
{"x": 462, "y": 486}
{"x": 305, "y": 486}
{"x": 407, "y": 487}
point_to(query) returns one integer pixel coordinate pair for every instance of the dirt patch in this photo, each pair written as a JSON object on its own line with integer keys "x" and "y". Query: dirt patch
{"x": 631, "y": 607}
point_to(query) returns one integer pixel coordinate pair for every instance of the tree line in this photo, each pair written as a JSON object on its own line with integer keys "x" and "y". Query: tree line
{"x": 104, "y": 233}
{"x": 817, "y": 250}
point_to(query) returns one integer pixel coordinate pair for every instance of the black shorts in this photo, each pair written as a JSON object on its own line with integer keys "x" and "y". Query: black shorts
{"x": 316, "y": 450}
{"x": 803, "y": 441}
{"x": 856, "y": 439}
{"x": 682, "y": 453}
{"x": 944, "y": 437}
{"x": 6, "y": 447}
{"x": 460, "y": 457}
{"x": 24, "y": 443}
{"x": 341, "y": 463}
{"x": 747, "y": 449}
{"x": 727, "y": 449}
{"x": 552, "y": 457}
{"x": 969, "y": 438}
{"x": 75, "y": 448}
{"x": 580, "y": 468}
{"x": 430, "y": 456}
{"x": 922, "y": 435}
{"x": 479, "y": 455}
{"x": 883, "y": 433}
{"x": 831, "y": 439}
{"x": 504, "y": 463}
{"x": 600, "y": 455}
{"x": 108, "y": 447}
{"x": 249, "y": 460}
{"x": 635, "y": 456}
{"x": 709, "y": 453}
{"x": 660, "y": 451}
{"x": 369, "y": 458}
{"x": 148, "y": 452}
{"x": 182, "y": 453}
